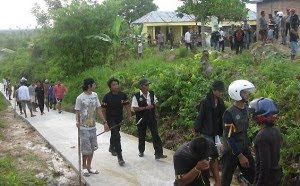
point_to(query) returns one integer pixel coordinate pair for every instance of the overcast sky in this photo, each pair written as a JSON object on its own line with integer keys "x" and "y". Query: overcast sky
{"x": 17, "y": 13}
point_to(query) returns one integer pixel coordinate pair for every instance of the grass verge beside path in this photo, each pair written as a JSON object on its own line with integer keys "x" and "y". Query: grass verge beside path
{"x": 11, "y": 173}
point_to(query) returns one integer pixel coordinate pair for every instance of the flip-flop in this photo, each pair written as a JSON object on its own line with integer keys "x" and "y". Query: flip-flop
{"x": 93, "y": 171}
{"x": 85, "y": 173}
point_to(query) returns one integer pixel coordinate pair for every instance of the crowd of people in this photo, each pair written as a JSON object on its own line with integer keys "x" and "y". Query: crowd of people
{"x": 218, "y": 131}
{"x": 35, "y": 95}
{"x": 280, "y": 26}
{"x": 239, "y": 36}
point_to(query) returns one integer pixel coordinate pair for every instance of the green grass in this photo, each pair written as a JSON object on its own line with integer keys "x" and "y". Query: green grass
{"x": 3, "y": 103}
{"x": 9, "y": 175}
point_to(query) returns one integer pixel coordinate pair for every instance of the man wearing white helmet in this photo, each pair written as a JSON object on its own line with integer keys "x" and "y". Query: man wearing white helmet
{"x": 236, "y": 145}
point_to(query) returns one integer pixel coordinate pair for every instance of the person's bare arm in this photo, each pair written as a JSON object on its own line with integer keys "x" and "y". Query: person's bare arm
{"x": 128, "y": 110}
{"x": 192, "y": 174}
{"x": 99, "y": 111}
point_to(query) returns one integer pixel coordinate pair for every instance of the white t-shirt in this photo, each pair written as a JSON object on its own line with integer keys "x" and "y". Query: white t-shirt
{"x": 135, "y": 103}
{"x": 4, "y": 82}
{"x": 222, "y": 33}
{"x": 140, "y": 48}
{"x": 87, "y": 105}
{"x": 187, "y": 37}
{"x": 23, "y": 93}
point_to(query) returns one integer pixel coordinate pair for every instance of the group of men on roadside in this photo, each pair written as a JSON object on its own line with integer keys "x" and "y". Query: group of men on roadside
{"x": 110, "y": 111}
{"x": 39, "y": 94}
{"x": 193, "y": 160}
{"x": 223, "y": 132}
{"x": 281, "y": 25}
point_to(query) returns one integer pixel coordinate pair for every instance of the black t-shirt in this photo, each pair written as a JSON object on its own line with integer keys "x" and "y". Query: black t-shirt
{"x": 39, "y": 92}
{"x": 184, "y": 161}
{"x": 114, "y": 106}
{"x": 293, "y": 37}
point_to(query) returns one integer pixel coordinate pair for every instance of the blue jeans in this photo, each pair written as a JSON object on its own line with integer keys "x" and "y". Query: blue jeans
{"x": 294, "y": 47}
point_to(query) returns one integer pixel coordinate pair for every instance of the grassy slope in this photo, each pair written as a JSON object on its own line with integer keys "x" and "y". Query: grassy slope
{"x": 179, "y": 85}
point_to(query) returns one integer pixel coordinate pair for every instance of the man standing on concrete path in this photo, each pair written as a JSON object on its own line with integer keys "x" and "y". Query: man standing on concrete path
{"x": 52, "y": 99}
{"x": 236, "y": 141}
{"x": 4, "y": 84}
{"x": 191, "y": 162}
{"x": 24, "y": 98}
{"x": 16, "y": 94}
{"x": 59, "y": 92}
{"x": 87, "y": 104}
{"x": 46, "y": 88}
{"x": 143, "y": 103}
{"x": 31, "y": 89}
{"x": 112, "y": 108}
{"x": 40, "y": 95}
{"x": 209, "y": 122}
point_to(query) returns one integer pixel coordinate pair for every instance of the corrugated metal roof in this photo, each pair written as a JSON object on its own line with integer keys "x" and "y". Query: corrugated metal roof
{"x": 164, "y": 17}
{"x": 171, "y": 17}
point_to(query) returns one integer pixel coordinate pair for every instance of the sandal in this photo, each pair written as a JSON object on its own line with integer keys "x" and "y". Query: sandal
{"x": 93, "y": 171}
{"x": 85, "y": 173}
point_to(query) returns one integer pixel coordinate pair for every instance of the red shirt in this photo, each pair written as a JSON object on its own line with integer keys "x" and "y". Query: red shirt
{"x": 59, "y": 91}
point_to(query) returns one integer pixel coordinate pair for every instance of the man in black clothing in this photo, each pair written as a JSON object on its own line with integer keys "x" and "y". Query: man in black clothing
{"x": 267, "y": 143}
{"x": 294, "y": 20}
{"x": 209, "y": 121}
{"x": 40, "y": 95}
{"x": 143, "y": 103}
{"x": 191, "y": 162}
{"x": 236, "y": 141}
{"x": 112, "y": 109}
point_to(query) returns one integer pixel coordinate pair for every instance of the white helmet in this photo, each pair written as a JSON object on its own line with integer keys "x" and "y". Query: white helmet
{"x": 23, "y": 79}
{"x": 237, "y": 86}
{"x": 280, "y": 14}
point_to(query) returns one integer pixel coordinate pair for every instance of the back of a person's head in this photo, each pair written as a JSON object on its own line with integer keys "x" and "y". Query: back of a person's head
{"x": 199, "y": 147}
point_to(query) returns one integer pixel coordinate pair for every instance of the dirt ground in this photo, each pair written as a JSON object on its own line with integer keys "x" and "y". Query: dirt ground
{"x": 20, "y": 141}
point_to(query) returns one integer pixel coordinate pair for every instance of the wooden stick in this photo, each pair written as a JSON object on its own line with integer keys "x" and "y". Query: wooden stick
{"x": 79, "y": 156}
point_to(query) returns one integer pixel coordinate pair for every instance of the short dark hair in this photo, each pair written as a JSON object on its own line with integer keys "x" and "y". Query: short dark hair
{"x": 262, "y": 12}
{"x": 218, "y": 85}
{"x": 111, "y": 80}
{"x": 88, "y": 82}
{"x": 199, "y": 147}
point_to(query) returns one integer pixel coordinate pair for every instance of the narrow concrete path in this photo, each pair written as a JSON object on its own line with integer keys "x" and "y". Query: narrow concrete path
{"x": 60, "y": 131}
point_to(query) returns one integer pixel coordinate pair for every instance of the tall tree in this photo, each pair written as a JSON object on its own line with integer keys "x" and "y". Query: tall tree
{"x": 203, "y": 10}
{"x": 134, "y": 9}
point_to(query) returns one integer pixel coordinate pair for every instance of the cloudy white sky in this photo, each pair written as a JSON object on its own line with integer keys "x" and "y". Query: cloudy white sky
{"x": 17, "y": 13}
